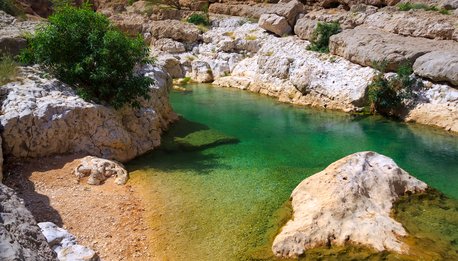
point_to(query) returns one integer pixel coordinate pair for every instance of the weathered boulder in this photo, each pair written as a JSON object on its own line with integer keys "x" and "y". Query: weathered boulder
{"x": 449, "y": 4}
{"x": 98, "y": 170}
{"x": 348, "y": 202}
{"x": 364, "y": 45}
{"x": 65, "y": 245}
{"x": 130, "y": 23}
{"x": 176, "y": 30}
{"x": 289, "y": 9}
{"x": 251, "y": 11}
{"x": 305, "y": 27}
{"x": 169, "y": 46}
{"x": 201, "y": 71}
{"x": 12, "y": 32}
{"x": 419, "y": 23}
{"x": 20, "y": 237}
{"x": 275, "y": 24}
{"x": 44, "y": 117}
{"x": 171, "y": 65}
{"x": 439, "y": 66}
{"x": 347, "y": 20}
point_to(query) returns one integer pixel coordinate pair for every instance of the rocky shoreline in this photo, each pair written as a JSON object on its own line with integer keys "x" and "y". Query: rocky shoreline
{"x": 271, "y": 57}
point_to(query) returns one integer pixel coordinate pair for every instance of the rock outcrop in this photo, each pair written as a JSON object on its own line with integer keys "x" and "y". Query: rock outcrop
{"x": 364, "y": 45}
{"x": 65, "y": 244}
{"x": 12, "y": 32}
{"x": 437, "y": 105}
{"x": 43, "y": 117}
{"x": 20, "y": 237}
{"x": 175, "y": 30}
{"x": 438, "y": 66}
{"x": 98, "y": 170}
{"x": 348, "y": 203}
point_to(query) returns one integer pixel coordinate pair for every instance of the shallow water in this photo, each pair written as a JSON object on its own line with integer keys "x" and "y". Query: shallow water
{"x": 224, "y": 202}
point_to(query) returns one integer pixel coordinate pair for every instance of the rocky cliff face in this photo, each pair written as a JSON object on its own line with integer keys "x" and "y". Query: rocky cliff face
{"x": 263, "y": 58}
{"x": 348, "y": 202}
{"x": 20, "y": 237}
{"x": 43, "y": 117}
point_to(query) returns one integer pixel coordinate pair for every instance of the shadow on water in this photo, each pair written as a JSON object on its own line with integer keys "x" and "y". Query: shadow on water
{"x": 184, "y": 148}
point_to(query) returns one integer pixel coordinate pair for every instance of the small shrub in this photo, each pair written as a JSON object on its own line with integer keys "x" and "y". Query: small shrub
{"x": 198, "y": 19}
{"x": 8, "y": 70}
{"x": 250, "y": 37}
{"x": 386, "y": 96}
{"x": 444, "y": 11}
{"x": 418, "y": 6}
{"x": 321, "y": 35}
{"x": 81, "y": 48}
{"x": 186, "y": 80}
{"x": 230, "y": 34}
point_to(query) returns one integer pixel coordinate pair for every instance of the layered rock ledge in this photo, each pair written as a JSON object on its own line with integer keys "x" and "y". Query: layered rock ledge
{"x": 349, "y": 202}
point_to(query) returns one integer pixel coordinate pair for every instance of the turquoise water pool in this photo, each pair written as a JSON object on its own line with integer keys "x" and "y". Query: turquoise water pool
{"x": 222, "y": 202}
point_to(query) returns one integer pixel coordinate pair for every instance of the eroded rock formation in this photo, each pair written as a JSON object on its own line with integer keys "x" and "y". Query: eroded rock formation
{"x": 349, "y": 202}
{"x": 43, "y": 117}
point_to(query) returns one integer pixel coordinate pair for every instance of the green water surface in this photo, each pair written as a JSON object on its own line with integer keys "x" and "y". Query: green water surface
{"x": 224, "y": 201}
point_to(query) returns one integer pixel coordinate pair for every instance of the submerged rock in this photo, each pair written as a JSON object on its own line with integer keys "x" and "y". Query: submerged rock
{"x": 98, "y": 170}
{"x": 20, "y": 237}
{"x": 348, "y": 202}
{"x": 203, "y": 139}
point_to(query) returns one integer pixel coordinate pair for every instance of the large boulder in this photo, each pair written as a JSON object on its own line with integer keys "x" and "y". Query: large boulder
{"x": 44, "y": 117}
{"x": 20, "y": 237}
{"x": 366, "y": 45}
{"x": 439, "y": 66}
{"x": 348, "y": 202}
{"x": 176, "y": 30}
{"x": 169, "y": 46}
{"x": 275, "y": 24}
{"x": 418, "y": 24}
{"x": 290, "y": 9}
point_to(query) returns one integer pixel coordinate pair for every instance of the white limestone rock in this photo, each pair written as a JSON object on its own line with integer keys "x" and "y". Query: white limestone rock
{"x": 201, "y": 72}
{"x": 98, "y": 170}
{"x": 42, "y": 117}
{"x": 348, "y": 202}
{"x": 65, "y": 244}
{"x": 275, "y": 24}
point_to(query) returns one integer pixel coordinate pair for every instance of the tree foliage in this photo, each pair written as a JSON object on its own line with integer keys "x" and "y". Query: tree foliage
{"x": 388, "y": 95}
{"x": 82, "y": 49}
{"x": 321, "y": 35}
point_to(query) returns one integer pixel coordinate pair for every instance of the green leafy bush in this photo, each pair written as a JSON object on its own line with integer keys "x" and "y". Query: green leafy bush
{"x": 321, "y": 35}
{"x": 8, "y": 70}
{"x": 81, "y": 48}
{"x": 388, "y": 95}
{"x": 418, "y": 6}
{"x": 198, "y": 19}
